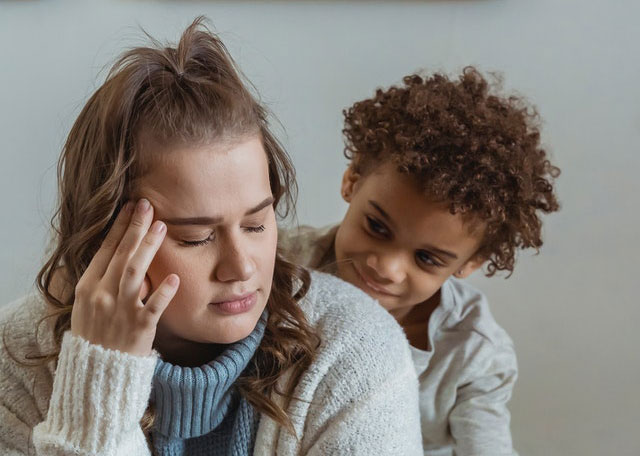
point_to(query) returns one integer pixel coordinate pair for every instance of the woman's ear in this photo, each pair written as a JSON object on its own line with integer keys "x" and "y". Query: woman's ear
{"x": 349, "y": 179}
{"x": 471, "y": 265}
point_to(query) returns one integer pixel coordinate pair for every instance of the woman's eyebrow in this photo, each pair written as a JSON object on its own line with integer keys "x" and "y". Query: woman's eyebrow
{"x": 214, "y": 220}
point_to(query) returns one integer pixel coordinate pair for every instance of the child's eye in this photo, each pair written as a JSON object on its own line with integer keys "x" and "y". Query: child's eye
{"x": 376, "y": 227}
{"x": 426, "y": 259}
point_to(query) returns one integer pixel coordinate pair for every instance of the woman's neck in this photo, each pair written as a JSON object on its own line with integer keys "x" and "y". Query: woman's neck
{"x": 186, "y": 353}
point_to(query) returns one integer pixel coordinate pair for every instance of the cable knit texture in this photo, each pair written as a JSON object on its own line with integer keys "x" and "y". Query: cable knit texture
{"x": 359, "y": 396}
{"x": 192, "y": 402}
{"x": 88, "y": 374}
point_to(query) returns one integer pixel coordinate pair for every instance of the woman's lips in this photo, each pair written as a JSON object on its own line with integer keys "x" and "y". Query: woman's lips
{"x": 236, "y": 305}
{"x": 372, "y": 285}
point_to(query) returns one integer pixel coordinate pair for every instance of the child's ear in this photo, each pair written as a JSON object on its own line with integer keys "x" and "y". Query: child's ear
{"x": 471, "y": 265}
{"x": 349, "y": 179}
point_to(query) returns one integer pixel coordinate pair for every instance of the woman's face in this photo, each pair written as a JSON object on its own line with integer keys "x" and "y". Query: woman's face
{"x": 221, "y": 238}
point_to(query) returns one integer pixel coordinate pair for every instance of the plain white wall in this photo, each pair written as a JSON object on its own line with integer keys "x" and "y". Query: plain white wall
{"x": 571, "y": 311}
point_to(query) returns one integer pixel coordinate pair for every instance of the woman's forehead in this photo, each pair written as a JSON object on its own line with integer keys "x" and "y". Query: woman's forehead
{"x": 208, "y": 177}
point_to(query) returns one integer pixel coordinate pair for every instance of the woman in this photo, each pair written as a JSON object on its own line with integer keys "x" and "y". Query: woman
{"x": 167, "y": 322}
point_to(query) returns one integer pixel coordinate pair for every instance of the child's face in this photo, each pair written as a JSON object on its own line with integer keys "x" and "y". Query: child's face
{"x": 397, "y": 245}
{"x": 219, "y": 200}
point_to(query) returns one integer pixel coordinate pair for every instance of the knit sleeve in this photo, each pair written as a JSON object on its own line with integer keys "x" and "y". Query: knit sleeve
{"x": 479, "y": 420}
{"x": 98, "y": 398}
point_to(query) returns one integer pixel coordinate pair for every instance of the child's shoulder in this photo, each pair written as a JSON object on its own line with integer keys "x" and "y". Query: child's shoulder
{"x": 306, "y": 245}
{"x": 470, "y": 311}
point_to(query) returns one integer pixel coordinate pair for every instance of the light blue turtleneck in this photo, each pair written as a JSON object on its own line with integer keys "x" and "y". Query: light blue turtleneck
{"x": 197, "y": 409}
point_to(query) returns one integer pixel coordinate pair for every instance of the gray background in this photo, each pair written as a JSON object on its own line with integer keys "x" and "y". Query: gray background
{"x": 569, "y": 310}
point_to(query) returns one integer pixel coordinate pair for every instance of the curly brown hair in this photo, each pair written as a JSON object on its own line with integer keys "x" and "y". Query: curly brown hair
{"x": 466, "y": 145}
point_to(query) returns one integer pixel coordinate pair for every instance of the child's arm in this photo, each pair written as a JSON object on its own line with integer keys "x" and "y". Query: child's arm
{"x": 480, "y": 419}
{"x": 97, "y": 401}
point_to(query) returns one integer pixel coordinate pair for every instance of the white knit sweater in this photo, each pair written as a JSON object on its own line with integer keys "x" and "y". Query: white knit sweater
{"x": 359, "y": 397}
{"x": 466, "y": 376}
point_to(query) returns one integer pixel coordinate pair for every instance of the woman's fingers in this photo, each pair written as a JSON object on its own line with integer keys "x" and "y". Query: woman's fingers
{"x": 132, "y": 280}
{"x": 100, "y": 261}
{"x": 110, "y": 306}
{"x": 145, "y": 289}
{"x": 160, "y": 299}
{"x": 137, "y": 229}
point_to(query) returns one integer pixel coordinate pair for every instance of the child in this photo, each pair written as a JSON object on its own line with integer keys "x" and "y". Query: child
{"x": 176, "y": 327}
{"x": 445, "y": 176}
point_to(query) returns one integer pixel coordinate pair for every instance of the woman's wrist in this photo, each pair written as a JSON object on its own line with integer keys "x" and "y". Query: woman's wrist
{"x": 99, "y": 395}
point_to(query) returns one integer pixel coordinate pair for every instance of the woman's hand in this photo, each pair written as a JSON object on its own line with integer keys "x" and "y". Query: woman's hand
{"x": 107, "y": 309}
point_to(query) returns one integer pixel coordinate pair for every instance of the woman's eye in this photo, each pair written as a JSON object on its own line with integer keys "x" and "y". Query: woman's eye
{"x": 254, "y": 229}
{"x": 196, "y": 243}
{"x": 249, "y": 229}
{"x": 426, "y": 259}
{"x": 376, "y": 227}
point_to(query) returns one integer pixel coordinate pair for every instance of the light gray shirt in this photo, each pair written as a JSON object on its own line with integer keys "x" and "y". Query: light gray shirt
{"x": 467, "y": 374}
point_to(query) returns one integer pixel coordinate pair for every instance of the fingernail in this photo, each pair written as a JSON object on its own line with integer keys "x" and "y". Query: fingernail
{"x": 128, "y": 208}
{"x": 143, "y": 206}
{"x": 173, "y": 280}
{"x": 158, "y": 227}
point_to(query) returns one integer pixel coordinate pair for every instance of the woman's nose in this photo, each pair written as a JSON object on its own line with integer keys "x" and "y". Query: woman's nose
{"x": 235, "y": 262}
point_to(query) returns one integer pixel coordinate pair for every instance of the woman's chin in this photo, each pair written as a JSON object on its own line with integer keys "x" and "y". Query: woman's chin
{"x": 231, "y": 337}
{"x": 231, "y": 329}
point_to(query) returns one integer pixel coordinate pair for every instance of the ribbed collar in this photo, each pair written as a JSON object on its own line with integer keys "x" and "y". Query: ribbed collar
{"x": 193, "y": 401}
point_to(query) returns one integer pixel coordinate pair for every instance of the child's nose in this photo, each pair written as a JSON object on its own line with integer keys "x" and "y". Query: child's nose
{"x": 387, "y": 266}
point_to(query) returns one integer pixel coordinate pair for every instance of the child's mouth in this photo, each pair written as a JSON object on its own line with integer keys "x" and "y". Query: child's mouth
{"x": 372, "y": 285}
